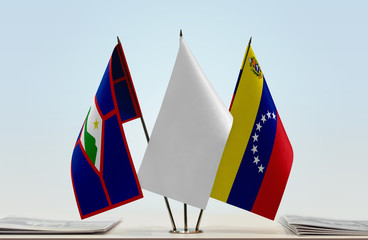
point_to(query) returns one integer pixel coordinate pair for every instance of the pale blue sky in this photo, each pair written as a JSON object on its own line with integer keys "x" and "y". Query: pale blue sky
{"x": 313, "y": 55}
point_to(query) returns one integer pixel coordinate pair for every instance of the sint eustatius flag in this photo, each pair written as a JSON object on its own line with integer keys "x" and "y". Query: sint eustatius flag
{"x": 257, "y": 158}
{"x": 103, "y": 174}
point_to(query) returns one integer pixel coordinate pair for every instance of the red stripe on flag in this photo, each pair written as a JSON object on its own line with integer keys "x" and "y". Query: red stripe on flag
{"x": 120, "y": 80}
{"x": 232, "y": 100}
{"x": 276, "y": 176}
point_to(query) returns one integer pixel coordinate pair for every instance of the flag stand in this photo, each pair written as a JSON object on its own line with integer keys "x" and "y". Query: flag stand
{"x": 186, "y": 230}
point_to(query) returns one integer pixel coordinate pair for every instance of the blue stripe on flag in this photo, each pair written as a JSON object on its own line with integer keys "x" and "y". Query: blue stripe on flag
{"x": 248, "y": 179}
{"x": 117, "y": 171}
{"x": 125, "y": 101}
{"x": 87, "y": 185}
{"x": 237, "y": 82}
{"x": 116, "y": 65}
{"x": 104, "y": 95}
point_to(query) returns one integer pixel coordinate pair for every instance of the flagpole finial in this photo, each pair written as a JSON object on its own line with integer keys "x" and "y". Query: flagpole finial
{"x": 181, "y": 33}
{"x": 118, "y": 39}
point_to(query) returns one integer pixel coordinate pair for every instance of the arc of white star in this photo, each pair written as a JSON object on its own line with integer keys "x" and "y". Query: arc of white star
{"x": 268, "y": 114}
{"x": 273, "y": 115}
{"x": 258, "y": 126}
{"x": 263, "y": 119}
{"x": 254, "y": 149}
{"x": 260, "y": 169}
{"x": 255, "y": 137}
{"x": 256, "y": 160}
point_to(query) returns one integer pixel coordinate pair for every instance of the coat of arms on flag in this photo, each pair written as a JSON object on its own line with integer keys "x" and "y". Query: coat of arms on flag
{"x": 102, "y": 169}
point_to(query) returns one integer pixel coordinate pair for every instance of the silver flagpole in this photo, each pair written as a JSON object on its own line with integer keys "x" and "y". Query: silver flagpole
{"x": 170, "y": 213}
{"x": 185, "y": 218}
{"x": 199, "y": 220}
{"x": 185, "y": 205}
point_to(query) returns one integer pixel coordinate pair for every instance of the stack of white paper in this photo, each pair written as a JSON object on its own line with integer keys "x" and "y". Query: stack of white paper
{"x": 322, "y": 226}
{"x": 43, "y": 226}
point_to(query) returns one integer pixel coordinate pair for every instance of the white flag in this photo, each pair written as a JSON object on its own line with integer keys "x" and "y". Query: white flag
{"x": 188, "y": 138}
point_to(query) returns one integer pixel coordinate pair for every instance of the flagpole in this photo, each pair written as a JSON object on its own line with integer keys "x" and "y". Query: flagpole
{"x": 246, "y": 54}
{"x": 199, "y": 220}
{"x": 147, "y": 138}
{"x": 185, "y": 218}
{"x": 185, "y": 205}
{"x": 170, "y": 213}
{"x": 145, "y": 128}
{"x": 241, "y": 71}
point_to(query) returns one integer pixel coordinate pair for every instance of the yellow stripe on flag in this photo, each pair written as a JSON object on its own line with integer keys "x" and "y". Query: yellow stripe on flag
{"x": 244, "y": 110}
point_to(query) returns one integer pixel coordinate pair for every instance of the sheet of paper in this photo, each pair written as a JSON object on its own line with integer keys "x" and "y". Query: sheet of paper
{"x": 301, "y": 225}
{"x": 35, "y": 225}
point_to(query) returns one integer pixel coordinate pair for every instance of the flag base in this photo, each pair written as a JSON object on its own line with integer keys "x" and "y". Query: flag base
{"x": 182, "y": 231}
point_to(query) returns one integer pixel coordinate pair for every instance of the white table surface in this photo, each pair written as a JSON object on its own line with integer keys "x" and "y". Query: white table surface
{"x": 214, "y": 226}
